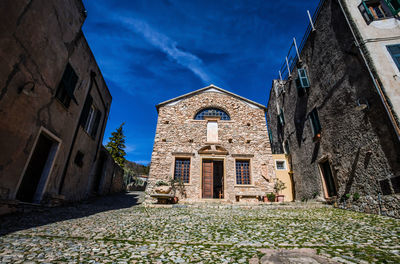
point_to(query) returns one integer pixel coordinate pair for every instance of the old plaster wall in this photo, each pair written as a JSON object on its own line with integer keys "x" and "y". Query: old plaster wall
{"x": 360, "y": 144}
{"x": 37, "y": 39}
{"x": 375, "y": 37}
{"x": 179, "y": 135}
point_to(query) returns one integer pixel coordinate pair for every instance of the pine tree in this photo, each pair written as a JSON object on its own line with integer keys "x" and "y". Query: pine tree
{"x": 116, "y": 146}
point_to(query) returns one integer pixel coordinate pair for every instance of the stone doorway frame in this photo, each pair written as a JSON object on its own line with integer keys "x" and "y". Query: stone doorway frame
{"x": 213, "y": 158}
{"x": 321, "y": 173}
{"x": 47, "y": 170}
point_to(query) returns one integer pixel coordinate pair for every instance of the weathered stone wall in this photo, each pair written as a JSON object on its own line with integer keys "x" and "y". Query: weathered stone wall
{"x": 360, "y": 144}
{"x": 244, "y": 137}
{"x": 111, "y": 175}
{"x": 37, "y": 40}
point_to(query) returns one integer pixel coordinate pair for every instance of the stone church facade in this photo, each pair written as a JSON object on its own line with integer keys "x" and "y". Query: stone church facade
{"x": 216, "y": 142}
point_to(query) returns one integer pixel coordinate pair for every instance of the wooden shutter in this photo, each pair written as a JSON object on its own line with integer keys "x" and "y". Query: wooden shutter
{"x": 96, "y": 123}
{"x": 85, "y": 111}
{"x": 394, "y": 6}
{"x": 365, "y": 12}
{"x": 303, "y": 78}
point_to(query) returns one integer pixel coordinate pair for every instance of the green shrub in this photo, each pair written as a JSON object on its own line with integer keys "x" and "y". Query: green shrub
{"x": 356, "y": 196}
{"x": 271, "y": 197}
{"x": 162, "y": 183}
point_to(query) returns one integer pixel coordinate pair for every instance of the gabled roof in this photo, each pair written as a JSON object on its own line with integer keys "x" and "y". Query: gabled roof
{"x": 210, "y": 88}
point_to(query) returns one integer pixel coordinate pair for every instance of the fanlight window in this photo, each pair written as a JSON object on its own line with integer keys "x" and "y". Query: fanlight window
{"x": 212, "y": 112}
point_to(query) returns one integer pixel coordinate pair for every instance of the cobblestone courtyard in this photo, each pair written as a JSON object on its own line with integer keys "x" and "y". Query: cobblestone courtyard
{"x": 117, "y": 230}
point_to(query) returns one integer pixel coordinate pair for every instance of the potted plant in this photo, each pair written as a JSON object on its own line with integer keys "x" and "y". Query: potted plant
{"x": 162, "y": 187}
{"x": 278, "y": 187}
{"x": 271, "y": 197}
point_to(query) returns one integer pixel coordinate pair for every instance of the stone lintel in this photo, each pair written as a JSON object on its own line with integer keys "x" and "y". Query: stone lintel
{"x": 242, "y": 155}
{"x": 182, "y": 154}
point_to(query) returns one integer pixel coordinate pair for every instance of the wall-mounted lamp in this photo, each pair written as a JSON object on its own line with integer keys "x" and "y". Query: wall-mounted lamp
{"x": 362, "y": 104}
{"x": 27, "y": 88}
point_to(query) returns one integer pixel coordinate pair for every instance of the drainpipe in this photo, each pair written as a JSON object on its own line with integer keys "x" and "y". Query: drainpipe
{"x": 377, "y": 87}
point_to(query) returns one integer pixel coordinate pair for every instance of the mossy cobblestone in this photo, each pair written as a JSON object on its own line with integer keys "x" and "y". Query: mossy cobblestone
{"x": 207, "y": 234}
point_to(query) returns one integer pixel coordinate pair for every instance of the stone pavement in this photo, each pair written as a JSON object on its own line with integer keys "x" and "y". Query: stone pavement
{"x": 115, "y": 229}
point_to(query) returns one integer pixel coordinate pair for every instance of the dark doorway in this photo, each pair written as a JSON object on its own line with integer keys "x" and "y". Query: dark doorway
{"x": 99, "y": 173}
{"x": 328, "y": 178}
{"x": 213, "y": 179}
{"x": 37, "y": 171}
{"x": 218, "y": 183}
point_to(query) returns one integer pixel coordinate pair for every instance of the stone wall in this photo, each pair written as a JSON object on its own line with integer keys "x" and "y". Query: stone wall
{"x": 360, "y": 145}
{"x": 38, "y": 39}
{"x": 243, "y": 137}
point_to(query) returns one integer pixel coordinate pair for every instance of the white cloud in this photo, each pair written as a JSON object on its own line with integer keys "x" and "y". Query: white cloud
{"x": 168, "y": 46}
{"x": 130, "y": 148}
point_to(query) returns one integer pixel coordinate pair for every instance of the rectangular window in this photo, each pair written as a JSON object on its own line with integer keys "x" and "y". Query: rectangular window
{"x": 182, "y": 169}
{"x": 242, "y": 172}
{"x": 66, "y": 88}
{"x": 394, "y": 51}
{"x": 91, "y": 117}
{"x": 280, "y": 165}
{"x": 315, "y": 124}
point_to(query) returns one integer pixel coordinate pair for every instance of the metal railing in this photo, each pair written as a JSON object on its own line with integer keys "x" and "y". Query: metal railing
{"x": 293, "y": 54}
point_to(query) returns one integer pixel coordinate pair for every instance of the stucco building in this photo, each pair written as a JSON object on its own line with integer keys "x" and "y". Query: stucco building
{"x": 334, "y": 112}
{"x": 54, "y": 104}
{"x": 216, "y": 143}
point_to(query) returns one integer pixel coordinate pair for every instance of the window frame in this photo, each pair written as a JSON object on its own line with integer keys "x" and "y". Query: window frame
{"x": 242, "y": 177}
{"x": 369, "y": 14}
{"x": 303, "y": 78}
{"x": 182, "y": 169}
{"x": 392, "y": 8}
{"x": 393, "y": 55}
{"x": 90, "y": 117}
{"x": 224, "y": 116}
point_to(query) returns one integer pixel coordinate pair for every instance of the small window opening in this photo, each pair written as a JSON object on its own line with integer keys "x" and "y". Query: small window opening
{"x": 315, "y": 124}
{"x": 79, "y": 159}
{"x": 280, "y": 165}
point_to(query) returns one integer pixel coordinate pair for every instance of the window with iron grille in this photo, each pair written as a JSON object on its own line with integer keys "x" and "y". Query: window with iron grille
{"x": 212, "y": 112}
{"x": 182, "y": 169}
{"x": 66, "y": 88}
{"x": 242, "y": 172}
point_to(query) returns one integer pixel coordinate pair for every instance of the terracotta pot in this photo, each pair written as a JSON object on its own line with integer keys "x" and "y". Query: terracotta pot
{"x": 265, "y": 199}
{"x": 162, "y": 189}
{"x": 280, "y": 198}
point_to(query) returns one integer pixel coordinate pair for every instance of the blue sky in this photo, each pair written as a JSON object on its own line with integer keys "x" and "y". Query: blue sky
{"x": 150, "y": 51}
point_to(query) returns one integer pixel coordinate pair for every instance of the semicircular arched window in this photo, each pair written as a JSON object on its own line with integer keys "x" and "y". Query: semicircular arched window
{"x": 212, "y": 112}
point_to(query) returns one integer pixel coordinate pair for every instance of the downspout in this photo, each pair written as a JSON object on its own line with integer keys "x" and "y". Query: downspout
{"x": 374, "y": 80}
{"x": 92, "y": 75}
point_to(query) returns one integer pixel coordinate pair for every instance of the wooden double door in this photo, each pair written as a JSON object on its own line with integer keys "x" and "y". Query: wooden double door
{"x": 213, "y": 179}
